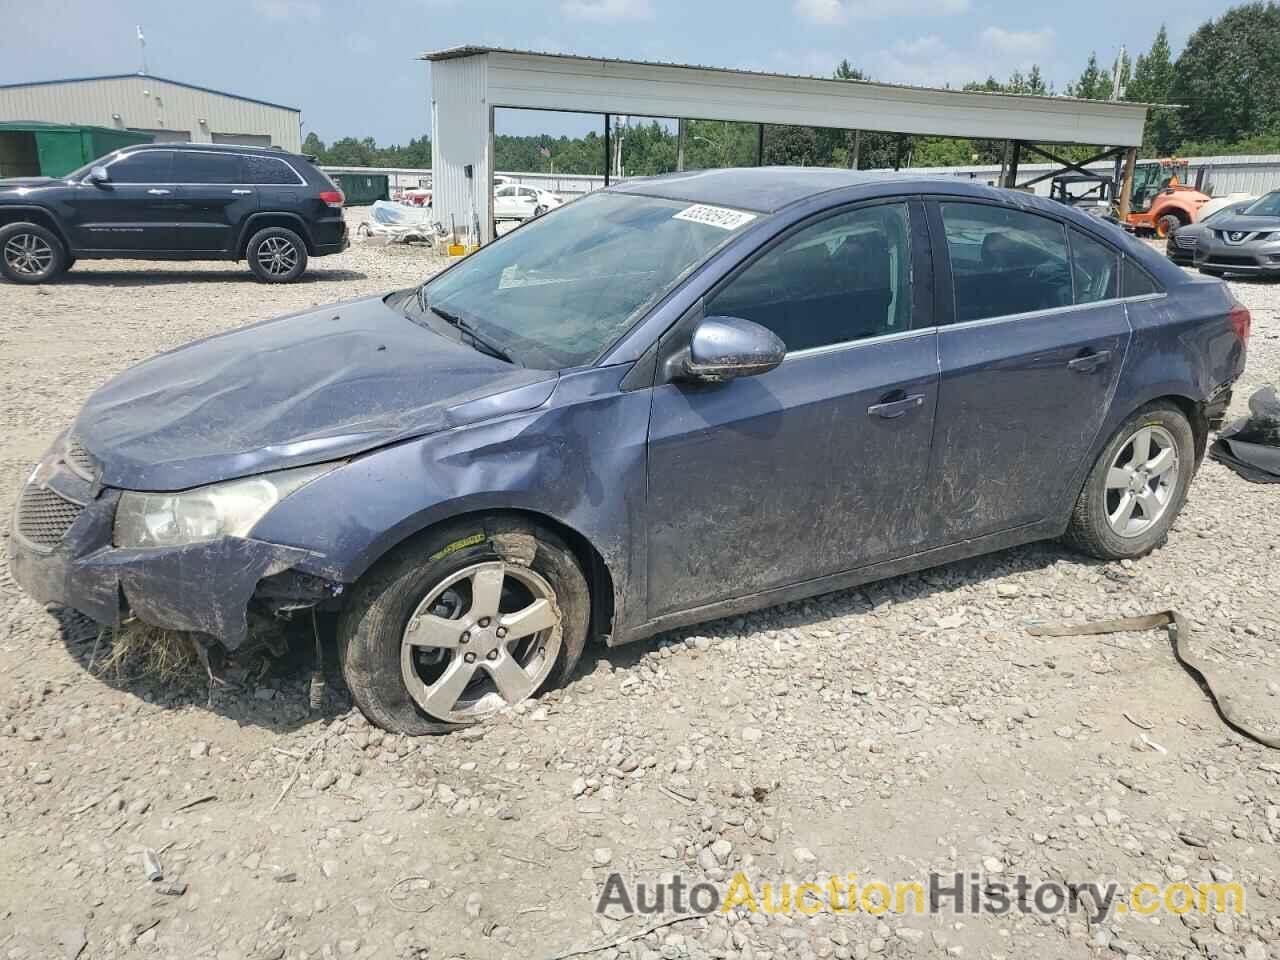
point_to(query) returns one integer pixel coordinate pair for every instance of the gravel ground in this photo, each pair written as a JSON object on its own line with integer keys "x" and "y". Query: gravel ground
{"x": 906, "y": 727}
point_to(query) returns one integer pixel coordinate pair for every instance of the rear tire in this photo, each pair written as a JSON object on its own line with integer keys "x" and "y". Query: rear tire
{"x": 276, "y": 255}
{"x": 30, "y": 253}
{"x": 428, "y": 585}
{"x": 1132, "y": 496}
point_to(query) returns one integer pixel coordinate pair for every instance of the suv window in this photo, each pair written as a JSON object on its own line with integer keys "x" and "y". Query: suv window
{"x": 196, "y": 167}
{"x": 269, "y": 171}
{"x": 145, "y": 166}
{"x": 1005, "y": 261}
{"x": 1096, "y": 268}
{"x": 843, "y": 278}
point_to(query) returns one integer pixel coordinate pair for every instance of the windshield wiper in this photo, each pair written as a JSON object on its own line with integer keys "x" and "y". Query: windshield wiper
{"x": 478, "y": 340}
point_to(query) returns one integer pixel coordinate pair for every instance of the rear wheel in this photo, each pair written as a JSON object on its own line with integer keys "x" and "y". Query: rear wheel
{"x": 30, "y": 253}
{"x": 461, "y": 623}
{"x": 1137, "y": 487}
{"x": 276, "y": 255}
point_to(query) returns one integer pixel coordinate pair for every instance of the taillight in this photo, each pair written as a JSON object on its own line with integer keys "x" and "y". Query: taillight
{"x": 1241, "y": 320}
{"x": 333, "y": 198}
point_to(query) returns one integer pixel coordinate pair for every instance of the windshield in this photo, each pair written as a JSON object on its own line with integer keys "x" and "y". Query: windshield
{"x": 1268, "y": 205}
{"x": 560, "y": 290}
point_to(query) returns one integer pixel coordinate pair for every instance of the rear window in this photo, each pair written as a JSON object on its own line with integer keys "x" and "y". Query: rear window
{"x": 269, "y": 171}
{"x": 196, "y": 167}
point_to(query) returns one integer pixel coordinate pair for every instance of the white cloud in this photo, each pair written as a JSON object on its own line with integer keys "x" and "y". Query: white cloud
{"x": 607, "y": 9}
{"x": 1018, "y": 43}
{"x": 841, "y": 11}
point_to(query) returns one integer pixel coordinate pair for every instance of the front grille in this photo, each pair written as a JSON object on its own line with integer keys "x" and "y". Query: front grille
{"x": 80, "y": 460}
{"x": 1184, "y": 243}
{"x": 43, "y": 517}
{"x": 1226, "y": 261}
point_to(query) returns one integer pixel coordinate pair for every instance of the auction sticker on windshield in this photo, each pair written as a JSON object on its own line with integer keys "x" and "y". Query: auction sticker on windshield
{"x": 721, "y": 217}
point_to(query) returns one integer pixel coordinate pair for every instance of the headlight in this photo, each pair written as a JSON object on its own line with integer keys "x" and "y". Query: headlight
{"x": 222, "y": 510}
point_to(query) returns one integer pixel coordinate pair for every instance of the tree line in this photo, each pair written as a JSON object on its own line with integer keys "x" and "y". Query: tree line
{"x": 1225, "y": 84}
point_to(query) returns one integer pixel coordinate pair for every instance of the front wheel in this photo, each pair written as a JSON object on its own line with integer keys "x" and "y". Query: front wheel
{"x": 1137, "y": 486}
{"x": 461, "y": 623}
{"x": 30, "y": 253}
{"x": 1166, "y": 224}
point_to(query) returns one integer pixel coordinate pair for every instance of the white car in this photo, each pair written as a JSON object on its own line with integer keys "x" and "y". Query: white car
{"x": 511, "y": 201}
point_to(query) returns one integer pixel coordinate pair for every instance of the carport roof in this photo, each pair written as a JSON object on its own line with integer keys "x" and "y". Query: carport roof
{"x": 525, "y": 79}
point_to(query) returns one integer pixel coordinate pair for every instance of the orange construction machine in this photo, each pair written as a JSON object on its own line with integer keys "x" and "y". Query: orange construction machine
{"x": 1162, "y": 200}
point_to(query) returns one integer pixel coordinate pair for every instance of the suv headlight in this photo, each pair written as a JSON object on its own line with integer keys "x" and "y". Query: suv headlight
{"x": 227, "y": 509}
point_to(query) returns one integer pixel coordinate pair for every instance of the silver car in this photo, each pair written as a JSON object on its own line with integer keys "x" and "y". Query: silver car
{"x": 1180, "y": 246}
{"x": 1245, "y": 243}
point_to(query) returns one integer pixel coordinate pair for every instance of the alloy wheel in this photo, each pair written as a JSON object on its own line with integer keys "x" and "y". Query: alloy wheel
{"x": 28, "y": 254}
{"x": 484, "y": 638}
{"x": 1141, "y": 481}
{"x": 277, "y": 256}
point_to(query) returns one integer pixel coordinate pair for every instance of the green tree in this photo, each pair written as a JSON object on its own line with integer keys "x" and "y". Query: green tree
{"x": 313, "y": 146}
{"x": 1094, "y": 83}
{"x": 1228, "y": 76}
{"x": 1152, "y": 80}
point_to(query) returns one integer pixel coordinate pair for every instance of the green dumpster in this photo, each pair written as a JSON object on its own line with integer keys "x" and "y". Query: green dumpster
{"x": 29, "y": 148}
{"x": 361, "y": 189}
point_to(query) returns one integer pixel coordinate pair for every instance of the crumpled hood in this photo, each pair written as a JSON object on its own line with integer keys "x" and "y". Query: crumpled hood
{"x": 1236, "y": 223}
{"x": 300, "y": 389}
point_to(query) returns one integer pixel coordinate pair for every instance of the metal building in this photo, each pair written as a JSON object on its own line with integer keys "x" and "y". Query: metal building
{"x": 469, "y": 83}
{"x": 167, "y": 109}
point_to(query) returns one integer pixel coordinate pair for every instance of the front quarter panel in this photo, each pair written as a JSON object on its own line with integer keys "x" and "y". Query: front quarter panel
{"x": 579, "y": 460}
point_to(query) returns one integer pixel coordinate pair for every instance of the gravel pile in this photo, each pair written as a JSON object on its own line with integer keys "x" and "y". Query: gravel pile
{"x": 907, "y": 727}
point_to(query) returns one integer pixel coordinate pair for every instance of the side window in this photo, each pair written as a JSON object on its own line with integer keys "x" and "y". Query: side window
{"x": 1136, "y": 281}
{"x": 206, "y": 168}
{"x": 268, "y": 171}
{"x": 528, "y": 193}
{"x": 843, "y": 278}
{"x": 145, "y": 166}
{"x": 504, "y": 192}
{"x": 1096, "y": 268}
{"x": 1005, "y": 261}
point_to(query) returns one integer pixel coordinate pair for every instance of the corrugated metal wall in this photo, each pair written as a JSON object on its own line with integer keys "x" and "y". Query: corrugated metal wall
{"x": 148, "y": 103}
{"x": 460, "y": 136}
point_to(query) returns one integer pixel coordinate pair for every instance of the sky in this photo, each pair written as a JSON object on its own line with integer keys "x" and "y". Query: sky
{"x": 353, "y": 70}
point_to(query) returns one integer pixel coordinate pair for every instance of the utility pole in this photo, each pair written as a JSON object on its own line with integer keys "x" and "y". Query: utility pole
{"x": 1117, "y": 81}
{"x": 142, "y": 45}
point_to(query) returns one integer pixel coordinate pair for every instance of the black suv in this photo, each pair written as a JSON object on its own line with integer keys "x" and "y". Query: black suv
{"x": 174, "y": 201}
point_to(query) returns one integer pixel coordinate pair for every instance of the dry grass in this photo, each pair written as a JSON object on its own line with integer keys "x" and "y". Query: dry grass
{"x": 136, "y": 651}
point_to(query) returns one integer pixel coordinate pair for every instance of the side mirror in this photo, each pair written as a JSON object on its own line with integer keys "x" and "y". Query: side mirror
{"x": 99, "y": 174}
{"x": 724, "y": 348}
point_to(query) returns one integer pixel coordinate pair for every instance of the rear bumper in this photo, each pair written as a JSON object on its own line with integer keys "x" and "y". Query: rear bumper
{"x": 330, "y": 235}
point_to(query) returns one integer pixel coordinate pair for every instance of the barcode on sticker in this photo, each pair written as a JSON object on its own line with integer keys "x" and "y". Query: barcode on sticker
{"x": 721, "y": 217}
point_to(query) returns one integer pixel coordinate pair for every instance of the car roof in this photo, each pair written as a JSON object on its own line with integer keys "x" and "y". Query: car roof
{"x": 211, "y": 148}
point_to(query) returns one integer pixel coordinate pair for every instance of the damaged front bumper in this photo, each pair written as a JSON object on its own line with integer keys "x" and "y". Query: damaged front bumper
{"x": 60, "y": 551}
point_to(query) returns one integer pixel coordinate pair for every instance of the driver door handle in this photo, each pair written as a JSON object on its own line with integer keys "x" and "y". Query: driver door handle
{"x": 892, "y": 409}
{"x": 241, "y": 193}
{"x": 1090, "y": 362}
{"x": 157, "y": 192}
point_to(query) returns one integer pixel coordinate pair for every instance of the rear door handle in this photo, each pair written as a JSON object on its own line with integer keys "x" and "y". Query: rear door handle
{"x": 157, "y": 192}
{"x": 241, "y": 193}
{"x": 1090, "y": 361}
{"x": 892, "y": 409}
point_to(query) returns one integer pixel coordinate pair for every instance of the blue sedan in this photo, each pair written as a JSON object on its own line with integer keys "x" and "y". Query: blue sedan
{"x": 677, "y": 399}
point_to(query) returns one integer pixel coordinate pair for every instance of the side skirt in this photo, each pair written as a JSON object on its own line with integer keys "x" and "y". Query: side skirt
{"x": 1028, "y": 533}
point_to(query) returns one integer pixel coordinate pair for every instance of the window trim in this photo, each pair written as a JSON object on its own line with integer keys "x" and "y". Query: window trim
{"x": 942, "y": 267}
{"x": 302, "y": 181}
{"x": 1071, "y": 263}
{"x": 917, "y": 237}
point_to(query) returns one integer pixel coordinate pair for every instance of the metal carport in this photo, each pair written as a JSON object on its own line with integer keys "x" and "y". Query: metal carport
{"x": 468, "y": 83}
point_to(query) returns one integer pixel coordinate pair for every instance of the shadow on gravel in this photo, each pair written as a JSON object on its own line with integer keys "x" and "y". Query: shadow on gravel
{"x": 142, "y": 278}
{"x": 253, "y": 688}
{"x": 272, "y": 692}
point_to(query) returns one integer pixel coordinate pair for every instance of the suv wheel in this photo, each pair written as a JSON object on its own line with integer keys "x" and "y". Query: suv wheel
{"x": 30, "y": 253}
{"x": 461, "y": 623}
{"x": 276, "y": 255}
{"x": 1137, "y": 486}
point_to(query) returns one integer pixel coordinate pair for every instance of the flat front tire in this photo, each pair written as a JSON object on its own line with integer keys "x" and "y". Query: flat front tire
{"x": 30, "y": 253}
{"x": 462, "y": 622}
{"x": 276, "y": 255}
{"x": 1137, "y": 486}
